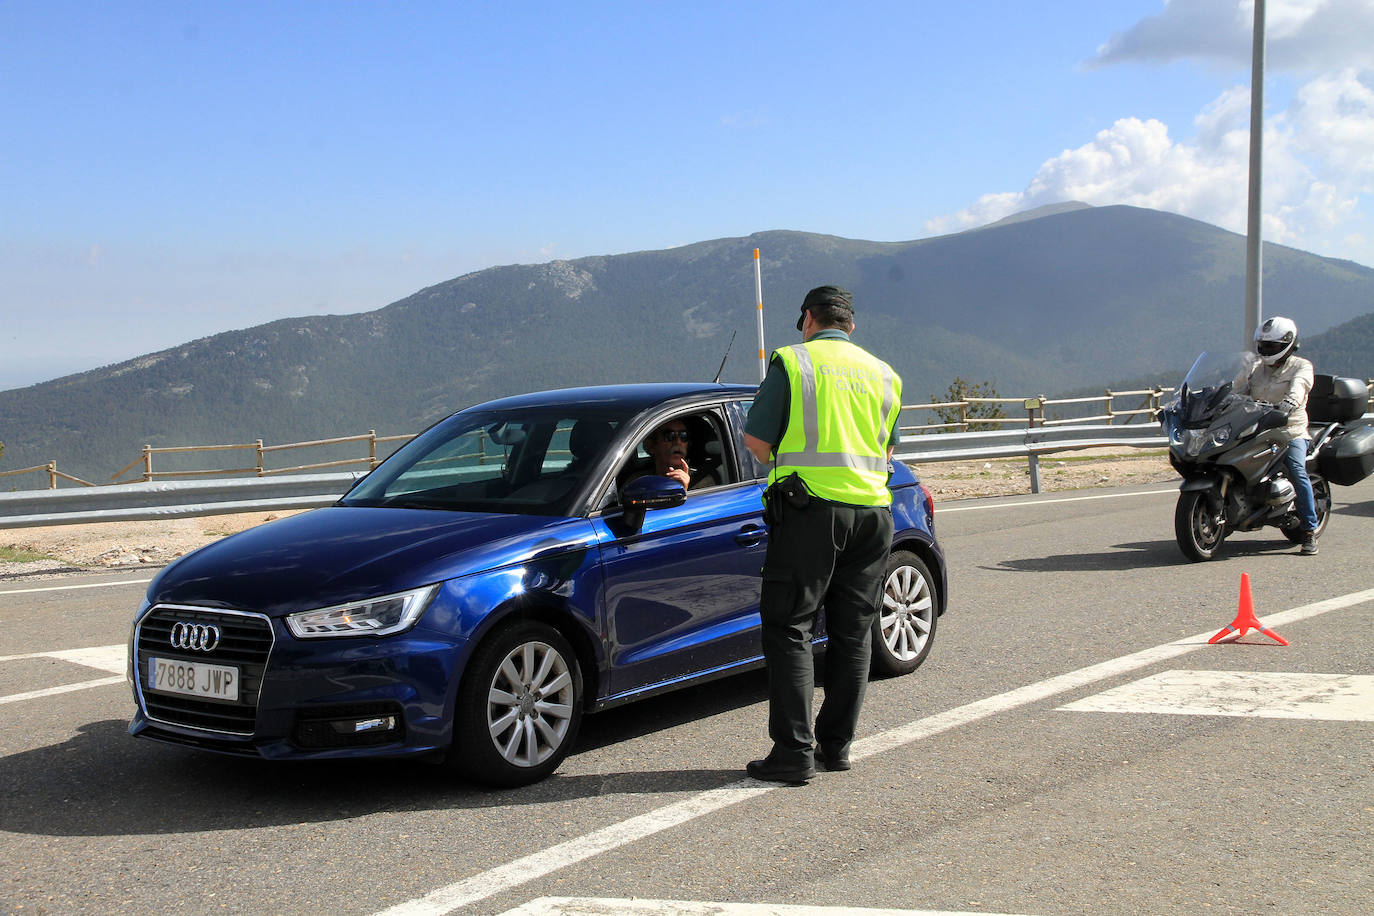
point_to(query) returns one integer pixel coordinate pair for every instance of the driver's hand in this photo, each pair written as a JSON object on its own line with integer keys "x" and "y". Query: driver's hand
{"x": 679, "y": 471}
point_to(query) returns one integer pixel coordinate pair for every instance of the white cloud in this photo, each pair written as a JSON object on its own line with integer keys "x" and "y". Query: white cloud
{"x": 1318, "y": 153}
{"x": 1133, "y": 162}
{"x": 1332, "y": 118}
{"x": 1137, "y": 163}
{"x": 1303, "y": 35}
{"x": 1193, "y": 28}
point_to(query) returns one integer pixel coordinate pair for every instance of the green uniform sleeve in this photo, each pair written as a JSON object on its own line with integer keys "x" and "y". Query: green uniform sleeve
{"x": 768, "y": 414}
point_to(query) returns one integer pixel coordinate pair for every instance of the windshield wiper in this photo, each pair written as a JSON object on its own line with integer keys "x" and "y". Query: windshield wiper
{"x": 403, "y": 501}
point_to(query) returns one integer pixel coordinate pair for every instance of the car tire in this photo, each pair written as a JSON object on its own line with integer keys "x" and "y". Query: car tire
{"x": 905, "y": 627}
{"x": 519, "y": 707}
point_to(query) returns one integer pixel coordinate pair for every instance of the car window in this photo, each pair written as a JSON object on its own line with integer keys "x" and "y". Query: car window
{"x": 753, "y": 468}
{"x": 559, "y": 455}
{"x": 707, "y": 451}
{"x": 529, "y": 461}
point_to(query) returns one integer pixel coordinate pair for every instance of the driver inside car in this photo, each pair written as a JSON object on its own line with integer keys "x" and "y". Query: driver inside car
{"x": 667, "y": 449}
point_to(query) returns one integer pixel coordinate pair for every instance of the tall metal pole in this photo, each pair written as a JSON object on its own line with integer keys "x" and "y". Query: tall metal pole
{"x": 758, "y": 296}
{"x": 1254, "y": 261}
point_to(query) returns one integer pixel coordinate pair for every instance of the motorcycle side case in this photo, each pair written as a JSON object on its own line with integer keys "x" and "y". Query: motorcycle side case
{"x": 1336, "y": 400}
{"x": 1348, "y": 457}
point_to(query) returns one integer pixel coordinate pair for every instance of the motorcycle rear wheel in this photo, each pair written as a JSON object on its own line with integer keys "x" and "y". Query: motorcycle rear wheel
{"x": 1198, "y": 531}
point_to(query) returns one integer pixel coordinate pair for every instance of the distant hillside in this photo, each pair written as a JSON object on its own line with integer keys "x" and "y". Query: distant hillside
{"x": 1347, "y": 349}
{"x": 1044, "y": 304}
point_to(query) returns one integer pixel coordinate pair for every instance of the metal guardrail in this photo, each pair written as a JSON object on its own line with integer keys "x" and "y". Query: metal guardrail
{"x": 1016, "y": 443}
{"x": 187, "y": 498}
{"x": 143, "y": 501}
{"x": 184, "y": 498}
{"x": 971, "y": 413}
{"x": 1027, "y": 443}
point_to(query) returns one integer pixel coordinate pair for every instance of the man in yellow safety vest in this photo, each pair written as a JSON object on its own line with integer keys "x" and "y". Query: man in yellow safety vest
{"x": 826, "y": 418}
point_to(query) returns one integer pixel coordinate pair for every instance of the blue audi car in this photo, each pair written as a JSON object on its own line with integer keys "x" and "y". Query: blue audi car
{"x": 510, "y": 569}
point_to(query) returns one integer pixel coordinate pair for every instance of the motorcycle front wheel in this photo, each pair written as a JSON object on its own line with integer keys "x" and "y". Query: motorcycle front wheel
{"x": 1198, "y": 531}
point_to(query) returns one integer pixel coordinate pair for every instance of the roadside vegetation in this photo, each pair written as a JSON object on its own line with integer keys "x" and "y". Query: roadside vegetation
{"x": 14, "y": 555}
{"x": 960, "y": 390}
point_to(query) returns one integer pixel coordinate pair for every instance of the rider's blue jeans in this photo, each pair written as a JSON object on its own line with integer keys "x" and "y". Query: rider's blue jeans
{"x": 1295, "y": 459}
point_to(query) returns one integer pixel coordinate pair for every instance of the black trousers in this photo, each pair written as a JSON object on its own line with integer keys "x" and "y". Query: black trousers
{"x": 833, "y": 556}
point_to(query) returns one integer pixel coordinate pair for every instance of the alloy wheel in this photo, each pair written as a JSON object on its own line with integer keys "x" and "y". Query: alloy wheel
{"x": 530, "y": 704}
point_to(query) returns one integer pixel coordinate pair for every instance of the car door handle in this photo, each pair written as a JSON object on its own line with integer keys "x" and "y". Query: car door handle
{"x": 750, "y": 535}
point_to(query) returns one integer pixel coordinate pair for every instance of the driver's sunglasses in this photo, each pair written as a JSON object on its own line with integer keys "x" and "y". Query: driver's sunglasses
{"x": 668, "y": 435}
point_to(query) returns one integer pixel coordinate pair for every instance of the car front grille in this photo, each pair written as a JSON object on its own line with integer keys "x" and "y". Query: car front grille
{"x": 245, "y": 643}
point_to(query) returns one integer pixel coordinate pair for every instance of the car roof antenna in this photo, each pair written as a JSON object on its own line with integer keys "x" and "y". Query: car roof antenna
{"x": 725, "y": 357}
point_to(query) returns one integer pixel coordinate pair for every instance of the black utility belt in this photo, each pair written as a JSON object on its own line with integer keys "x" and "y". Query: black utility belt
{"x": 791, "y": 492}
{"x": 786, "y": 494}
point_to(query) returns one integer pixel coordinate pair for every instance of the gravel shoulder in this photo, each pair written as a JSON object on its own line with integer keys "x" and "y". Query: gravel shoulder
{"x": 69, "y": 549}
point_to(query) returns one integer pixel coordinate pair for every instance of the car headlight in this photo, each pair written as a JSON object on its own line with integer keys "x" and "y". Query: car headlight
{"x": 373, "y": 617}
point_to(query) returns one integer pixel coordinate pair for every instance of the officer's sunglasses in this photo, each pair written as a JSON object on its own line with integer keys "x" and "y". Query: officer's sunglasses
{"x": 668, "y": 435}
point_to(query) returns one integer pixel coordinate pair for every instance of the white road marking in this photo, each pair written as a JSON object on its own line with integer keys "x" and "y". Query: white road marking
{"x": 942, "y": 509}
{"x": 67, "y": 588}
{"x": 536, "y": 865}
{"x": 114, "y": 659}
{"x": 106, "y": 658}
{"x": 614, "y": 906}
{"x": 1266, "y": 694}
{"x": 65, "y": 688}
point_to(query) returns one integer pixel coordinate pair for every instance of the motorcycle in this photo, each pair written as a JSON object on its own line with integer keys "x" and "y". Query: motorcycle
{"x": 1229, "y": 450}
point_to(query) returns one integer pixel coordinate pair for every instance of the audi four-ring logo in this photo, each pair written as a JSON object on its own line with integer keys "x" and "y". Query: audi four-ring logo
{"x": 202, "y": 637}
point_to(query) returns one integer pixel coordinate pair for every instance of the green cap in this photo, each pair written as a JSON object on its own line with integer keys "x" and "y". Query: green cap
{"x": 825, "y": 295}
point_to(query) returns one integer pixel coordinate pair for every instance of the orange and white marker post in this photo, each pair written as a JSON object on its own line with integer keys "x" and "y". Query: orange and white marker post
{"x": 758, "y": 297}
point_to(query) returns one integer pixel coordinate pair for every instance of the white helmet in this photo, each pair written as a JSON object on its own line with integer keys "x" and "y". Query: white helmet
{"x": 1275, "y": 339}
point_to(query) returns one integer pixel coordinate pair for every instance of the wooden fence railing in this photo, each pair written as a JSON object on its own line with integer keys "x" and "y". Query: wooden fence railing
{"x": 1031, "y": 414}
{"x": 259, "y": 450}
{"x": 1035, "y": 411}
{"x": 53, "y": 474}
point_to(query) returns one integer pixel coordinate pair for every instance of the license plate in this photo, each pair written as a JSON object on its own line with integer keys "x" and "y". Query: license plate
{"x": 195, "y": 679}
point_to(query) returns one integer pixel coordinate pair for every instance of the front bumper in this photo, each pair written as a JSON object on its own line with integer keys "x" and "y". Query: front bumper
{"x": 300, "y": 699}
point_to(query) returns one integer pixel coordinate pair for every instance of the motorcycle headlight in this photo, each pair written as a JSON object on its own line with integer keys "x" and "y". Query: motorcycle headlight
{"x": 1221, "y": 435}
{"x": 373, "y": 617}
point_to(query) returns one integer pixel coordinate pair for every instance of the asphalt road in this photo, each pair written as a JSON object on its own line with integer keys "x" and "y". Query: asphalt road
{"x": 974, "y": 787}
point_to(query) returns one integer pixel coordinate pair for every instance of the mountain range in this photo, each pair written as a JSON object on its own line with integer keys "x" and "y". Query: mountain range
{"x": 1046, "y": 302}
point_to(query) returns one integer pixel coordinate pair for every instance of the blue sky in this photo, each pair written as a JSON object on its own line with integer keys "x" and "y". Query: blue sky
{"x": 173, "y": 170}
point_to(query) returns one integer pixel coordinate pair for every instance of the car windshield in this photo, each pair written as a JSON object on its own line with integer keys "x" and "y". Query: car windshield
{"x": 528, "y": 461}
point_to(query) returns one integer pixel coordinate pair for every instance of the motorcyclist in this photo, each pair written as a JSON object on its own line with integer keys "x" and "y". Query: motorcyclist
{"x": 1284, "y": 379}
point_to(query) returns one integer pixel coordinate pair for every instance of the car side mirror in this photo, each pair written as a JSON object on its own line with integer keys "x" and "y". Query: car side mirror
{"x": 650, "y": 492}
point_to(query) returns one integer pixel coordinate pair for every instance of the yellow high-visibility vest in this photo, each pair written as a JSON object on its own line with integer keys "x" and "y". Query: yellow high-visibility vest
{"x": 844, "y": 403}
